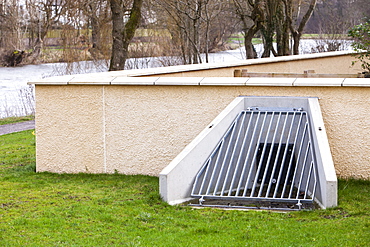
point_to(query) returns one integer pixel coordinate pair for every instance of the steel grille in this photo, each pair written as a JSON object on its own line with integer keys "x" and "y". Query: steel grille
{"x": 265, "y": 159}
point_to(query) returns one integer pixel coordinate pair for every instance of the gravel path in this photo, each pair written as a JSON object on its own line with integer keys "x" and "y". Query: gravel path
{"x": 16, "y": 127}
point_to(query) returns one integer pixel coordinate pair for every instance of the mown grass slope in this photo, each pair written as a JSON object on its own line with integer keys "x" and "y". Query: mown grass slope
{"x": 45, "y": 209}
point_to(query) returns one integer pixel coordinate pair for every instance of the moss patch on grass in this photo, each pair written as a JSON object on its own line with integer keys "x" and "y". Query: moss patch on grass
{"x": 46, "y": 209}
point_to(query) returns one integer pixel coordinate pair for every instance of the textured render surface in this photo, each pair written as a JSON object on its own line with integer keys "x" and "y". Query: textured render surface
{"x": 323, "y": 63}
{"x": 149, "y": 126}
{"x": 348, "y": 127}
{"x": 69, "y": 129}
{"x": 141, "y": 129}
{"x": 135, "y": 128}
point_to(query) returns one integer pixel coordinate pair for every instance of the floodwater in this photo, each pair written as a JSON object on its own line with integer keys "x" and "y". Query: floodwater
{"x": 13, "y": 83}
{"x": 17, "y": 97}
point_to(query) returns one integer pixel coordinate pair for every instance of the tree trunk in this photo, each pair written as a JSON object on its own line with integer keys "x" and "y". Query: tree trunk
{"x": 268, "y": 42}
{"x": 195, "y": 42}
{"x": 269, "y": 27}
{"x": 122, "y": 33}
{"x": 250, "y": 52}
{"x": 296, "y": 38}
{"x": 297, "y": 33}
{"x": 95, "y": 33}
{"x": 282, "y": 32}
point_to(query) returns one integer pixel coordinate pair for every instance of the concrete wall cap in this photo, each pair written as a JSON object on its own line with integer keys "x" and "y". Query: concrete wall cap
{"x": 356, "y": 82}
{"x": 55, "y": 80}
{"x": 319, "y": 82}
{"x": 95, "y": 79}
{"x": 224, "y": 81}
{"x": 179, "y": 81}
{"x": 264, "y": 81}
{"x": 98, "y": 79}
{"x": 134, "y": 80}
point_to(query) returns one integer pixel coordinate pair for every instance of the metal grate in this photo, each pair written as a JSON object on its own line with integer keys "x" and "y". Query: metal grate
{"x": 264, "y": 160}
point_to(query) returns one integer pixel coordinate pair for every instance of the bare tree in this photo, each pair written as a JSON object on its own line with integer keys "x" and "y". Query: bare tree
{"x": 278, "y": 20}
{"x": 187, "y": 19}
{"x": 123, "y": 31}
{"x": 332, "y": 20}
{"x": 282, "y": 30}
{"x": 251, "y": 16}
{"x": 297, "y": 14}
{"x": 197, "y": 26}
{"x": 43, "y": 16}
{"x": 11, "y": 25}
{"x": 219, "y": 24}
{"x": 98, "y": 17}
{"x": 269, "y": 26}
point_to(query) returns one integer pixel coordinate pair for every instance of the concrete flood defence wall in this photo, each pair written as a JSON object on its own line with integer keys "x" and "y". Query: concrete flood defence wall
{"x": 137, "y": 122}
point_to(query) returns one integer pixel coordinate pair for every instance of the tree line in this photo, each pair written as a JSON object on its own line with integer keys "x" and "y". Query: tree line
{"x": 179, "y": 29}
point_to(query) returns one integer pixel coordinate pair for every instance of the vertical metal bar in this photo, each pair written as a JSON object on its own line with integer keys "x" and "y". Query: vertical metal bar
{"x": 286, "y": 146}
{"x": 234, "y": 147}
{"x": 279, "y": 148}
{"x": 254, "y": 158}
{"x": 240, "y": 156}
{"x": 214, "y": 168}
{"x": 235, "y": 123}
{"x": 197, "y": 178}
{"x": 207, "y": 167}
{"x": 303, "y": 169}
{"x": 272, "y": 145}
{"x": 315, "y": 183}
{"x": 292, "y": 156}
{"x": 313, "y": 158}
{"x": 308, "y": 180}
{"x": 241, "y": 127}
{"x": 269, "y": 156}
{"x": 298, "y": 157}
{"x": 247, "y": 157}
{"x": 284, "y": 155}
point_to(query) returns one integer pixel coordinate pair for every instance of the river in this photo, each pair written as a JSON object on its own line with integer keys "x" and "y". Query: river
{"x": 17, "y": 98}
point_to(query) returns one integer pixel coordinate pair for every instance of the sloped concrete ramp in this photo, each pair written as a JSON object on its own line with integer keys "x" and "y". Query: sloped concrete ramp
{"x": 180, "y": 179}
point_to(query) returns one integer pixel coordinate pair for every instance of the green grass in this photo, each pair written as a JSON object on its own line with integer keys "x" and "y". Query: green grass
{"x": 45, "y": 209}
{"x": 324, "y": 36}
{"x": 10, "y": 120}
{"x": 239, "y": 39}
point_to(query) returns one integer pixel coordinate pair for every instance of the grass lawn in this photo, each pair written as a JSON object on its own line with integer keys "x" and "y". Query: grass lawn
{"x": 44, "y": 209}
{"x": 15, "y": 119}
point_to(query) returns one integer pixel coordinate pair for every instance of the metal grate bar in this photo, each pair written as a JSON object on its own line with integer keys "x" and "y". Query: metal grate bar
{"x": 290, "y": 162}
{"x": 240, "y": 160}
{"x": 254, "y": 159}
{"x": 245, "y": 166}
{"x": 265, "y": 155}
{"x": 234, "y": 154}
{"x": 268, "y": 161}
